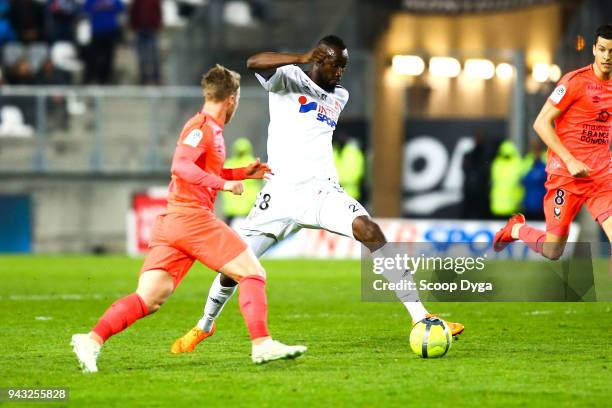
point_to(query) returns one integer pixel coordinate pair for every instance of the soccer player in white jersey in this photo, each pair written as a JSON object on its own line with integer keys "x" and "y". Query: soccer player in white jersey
{"x": 304, "y": 191}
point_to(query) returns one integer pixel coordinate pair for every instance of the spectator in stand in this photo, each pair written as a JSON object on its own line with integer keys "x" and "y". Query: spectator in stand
{"x": 506, "y": 172}
{"x": 28, "y": 20}
{"x": 534, "y": 177}
{"x": 62, "y": 16}
{"x": 21, "y": 74}
{"x": 7, "y": 34}
{"x": 105, "y": 34}
{"x": 476, "y": 170}
{"x": 57, "y": 111}
{"x": 146, "y": 21}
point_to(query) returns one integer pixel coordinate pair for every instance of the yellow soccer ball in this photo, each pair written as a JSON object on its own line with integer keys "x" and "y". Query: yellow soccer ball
{"x": 430, "y": 338}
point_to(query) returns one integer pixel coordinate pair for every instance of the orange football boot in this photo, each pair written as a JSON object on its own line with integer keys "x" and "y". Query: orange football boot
{"x": 188, "y": 342}
{"x": 504, "y": 235}
{"x": 455, "y": 328}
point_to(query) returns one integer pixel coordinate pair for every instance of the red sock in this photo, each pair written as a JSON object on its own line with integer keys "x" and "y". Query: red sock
{"x": 533, "y": 238}
{"x": 253, "y": 305}
{"x": 120, "y": 316}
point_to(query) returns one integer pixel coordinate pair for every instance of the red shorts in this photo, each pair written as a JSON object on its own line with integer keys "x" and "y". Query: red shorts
{"x": 178, "y": 239}
{"x": 565, "y": 196}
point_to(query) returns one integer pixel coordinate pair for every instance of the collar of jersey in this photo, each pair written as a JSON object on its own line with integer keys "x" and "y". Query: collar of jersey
{"x": 213, "y": 120}
{"x": 314, "y": 83}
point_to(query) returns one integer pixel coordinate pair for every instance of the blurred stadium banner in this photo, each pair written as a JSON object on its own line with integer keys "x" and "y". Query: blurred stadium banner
{"x": 444, "y": 234}
{"x": 15, "y": 223}
{"x": 434, "y": 163}
{"x": 476, "y": 235}
{"x": 145, "y": 207}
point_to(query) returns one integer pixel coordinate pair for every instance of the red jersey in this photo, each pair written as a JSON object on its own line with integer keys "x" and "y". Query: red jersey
{"x": 585, "y": 102}
{"x": 197, "y": 165}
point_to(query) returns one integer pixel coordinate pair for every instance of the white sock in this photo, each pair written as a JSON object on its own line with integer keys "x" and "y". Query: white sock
{"x": 410, "y": 299}
{"x": 417, "y": 310}
{"x": 218, "y": 296}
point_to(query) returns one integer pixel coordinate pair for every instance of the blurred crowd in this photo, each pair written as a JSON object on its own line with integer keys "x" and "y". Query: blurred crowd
{"x": 499, "y": 181}
{"x": 63, "y": 42}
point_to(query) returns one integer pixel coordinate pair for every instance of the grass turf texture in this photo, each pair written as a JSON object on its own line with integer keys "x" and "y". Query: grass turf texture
{"x": 511, "y": 354}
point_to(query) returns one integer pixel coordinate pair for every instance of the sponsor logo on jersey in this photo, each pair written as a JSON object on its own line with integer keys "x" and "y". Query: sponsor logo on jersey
{"x": 306, "y": 106}
{"x": 325, "y": 114}
{"x": 558, "y": 94}
{"x": 594, "y": 87}
{"x": 603, "y": 116}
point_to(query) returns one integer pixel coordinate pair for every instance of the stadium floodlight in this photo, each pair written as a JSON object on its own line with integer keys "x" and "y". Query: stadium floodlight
{"x": 479, "y": 68}
{"x": 540, "y": 72}
{"x": 554, "y": 73}
{"x": 444, "y": 67}
{"x": 408, "y": 65}
{"x": 504, "y": 71}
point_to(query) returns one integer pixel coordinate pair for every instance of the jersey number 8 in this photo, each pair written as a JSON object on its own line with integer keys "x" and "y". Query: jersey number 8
{"x": 264, "y": 202}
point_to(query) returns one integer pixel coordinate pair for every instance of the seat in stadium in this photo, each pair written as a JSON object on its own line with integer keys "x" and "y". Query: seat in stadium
{"x": 37, "y": 55}
{"x": 64, "y": 56}
{"x": 12, "y": 123}
{"x": 11, "y": 53}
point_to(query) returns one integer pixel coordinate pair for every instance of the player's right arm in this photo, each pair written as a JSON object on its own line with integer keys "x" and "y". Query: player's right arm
{"x": 266, "y": 62}
{"x": 185, "y": 165}
{"x": 544, "y": 127}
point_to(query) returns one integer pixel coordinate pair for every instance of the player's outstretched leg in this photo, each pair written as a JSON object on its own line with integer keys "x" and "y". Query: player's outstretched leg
{"x": 219, "y": 294}
{"x": 549, "y": 245}
{"x": 369, "y": 234}
{"x": 247, "y": 270}
{"x": 154, "y": 287}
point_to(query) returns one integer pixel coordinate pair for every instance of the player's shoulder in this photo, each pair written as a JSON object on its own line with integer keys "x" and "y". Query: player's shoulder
{"x": 341, "y": 92}
{"x": 577, "y": 75}
{"x": 195, "y": 130}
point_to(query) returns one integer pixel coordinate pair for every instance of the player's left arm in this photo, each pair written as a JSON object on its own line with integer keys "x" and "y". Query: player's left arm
{"x": 255, "y": 170}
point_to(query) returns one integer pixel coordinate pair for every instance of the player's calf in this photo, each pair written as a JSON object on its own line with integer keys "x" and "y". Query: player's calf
{"x": 369, "y": 233}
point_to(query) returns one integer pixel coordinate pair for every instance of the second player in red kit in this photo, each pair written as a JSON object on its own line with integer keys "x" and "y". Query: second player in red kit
{"x": 575, "y": 124}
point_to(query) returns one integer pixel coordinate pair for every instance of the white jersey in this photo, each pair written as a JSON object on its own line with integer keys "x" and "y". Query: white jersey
{"x": 302, "y": 120}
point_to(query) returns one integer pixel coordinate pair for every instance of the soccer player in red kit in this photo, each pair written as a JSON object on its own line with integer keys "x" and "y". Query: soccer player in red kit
{"x": 189, "y": 230}
{"x": 579, "y": 164}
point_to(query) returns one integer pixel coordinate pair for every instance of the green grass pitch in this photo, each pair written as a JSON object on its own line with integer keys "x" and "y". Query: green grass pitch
{"x": 511, "y": 354}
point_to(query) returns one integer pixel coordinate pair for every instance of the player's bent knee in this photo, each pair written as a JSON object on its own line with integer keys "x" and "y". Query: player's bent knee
{"x": 243, "y": 265}
{"x": 154, "y": 288}
{"x": 252, "y": 270}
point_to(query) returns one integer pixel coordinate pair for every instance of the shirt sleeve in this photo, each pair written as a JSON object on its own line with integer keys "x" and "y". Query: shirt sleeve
{"x": 185, "y": 163}
{"x": 565, "y": 94}
{"x": 278, "y": 81}
{"x": 238, "y": 173}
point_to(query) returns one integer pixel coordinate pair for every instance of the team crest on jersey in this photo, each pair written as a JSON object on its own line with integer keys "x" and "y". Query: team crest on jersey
{"x": 603, "y": 116}
{"x": 193, "y": 138}
{"x": 558, "y": 94}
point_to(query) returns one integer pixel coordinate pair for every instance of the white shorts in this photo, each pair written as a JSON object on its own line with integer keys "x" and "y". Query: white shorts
{"x": 281, "y": 209}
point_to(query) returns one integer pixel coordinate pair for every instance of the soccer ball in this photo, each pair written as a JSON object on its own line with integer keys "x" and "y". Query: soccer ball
{"x": 430, "y": 338}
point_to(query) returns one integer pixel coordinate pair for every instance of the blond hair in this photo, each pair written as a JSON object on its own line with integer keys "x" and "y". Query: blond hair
{"x": 219, "y": 83}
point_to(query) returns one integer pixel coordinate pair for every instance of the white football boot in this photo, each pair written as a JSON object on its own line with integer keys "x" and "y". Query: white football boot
{"x": 271, "y": 350}
{"x": 87, "y": 351}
